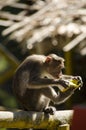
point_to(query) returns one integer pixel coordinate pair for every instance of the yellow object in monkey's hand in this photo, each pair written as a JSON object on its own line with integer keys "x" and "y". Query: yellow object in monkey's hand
{"x": 74, "y": 82}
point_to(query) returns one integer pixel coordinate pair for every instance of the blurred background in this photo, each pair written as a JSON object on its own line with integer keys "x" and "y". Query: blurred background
{"x": 42, "y": 27}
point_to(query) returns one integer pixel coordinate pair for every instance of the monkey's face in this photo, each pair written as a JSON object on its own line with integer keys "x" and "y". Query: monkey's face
{"x": 55, "y": 66}
{"x": 56, "y": 69}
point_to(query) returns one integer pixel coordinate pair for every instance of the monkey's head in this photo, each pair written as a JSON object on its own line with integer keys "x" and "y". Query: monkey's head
{"x": 54, "y": 64}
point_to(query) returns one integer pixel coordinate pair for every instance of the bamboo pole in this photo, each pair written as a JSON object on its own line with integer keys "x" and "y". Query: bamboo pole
{"x": 64, "y": 127}
{"x": 38, "y": 120}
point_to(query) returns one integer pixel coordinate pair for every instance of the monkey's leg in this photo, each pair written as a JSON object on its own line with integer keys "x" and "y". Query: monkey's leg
{"x": 50, "y": 94}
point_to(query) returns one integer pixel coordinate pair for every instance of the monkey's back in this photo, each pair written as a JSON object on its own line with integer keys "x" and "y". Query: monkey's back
{"x": 28, "y": 69}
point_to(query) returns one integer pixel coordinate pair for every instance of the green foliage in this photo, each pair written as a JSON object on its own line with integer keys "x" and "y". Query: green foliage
{"x": 2, "y": 129}
{"x": 7, "y": 99}
{"x": 3, "y": 64}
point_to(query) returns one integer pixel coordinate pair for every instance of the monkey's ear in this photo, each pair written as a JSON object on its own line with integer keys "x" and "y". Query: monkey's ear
{"x": 48, "y": 59}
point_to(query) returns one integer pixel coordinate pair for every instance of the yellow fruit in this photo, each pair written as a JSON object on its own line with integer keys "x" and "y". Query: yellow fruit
{"x": 72, "y": 83}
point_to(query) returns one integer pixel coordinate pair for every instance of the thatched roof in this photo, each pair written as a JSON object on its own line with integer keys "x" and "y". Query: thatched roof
{"x": 37, "y": 20}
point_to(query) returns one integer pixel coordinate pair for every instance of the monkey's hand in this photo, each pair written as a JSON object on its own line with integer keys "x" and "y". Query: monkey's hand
{"x": 62, "y": 84}
{"x": 74, "y": 82}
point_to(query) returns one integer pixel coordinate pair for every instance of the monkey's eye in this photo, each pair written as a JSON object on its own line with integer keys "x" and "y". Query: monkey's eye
{"x": 59, "y": 61}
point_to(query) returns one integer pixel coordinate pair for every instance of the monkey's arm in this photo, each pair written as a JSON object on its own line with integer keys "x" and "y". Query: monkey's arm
{"x": 38, "y": 82}
{"x": 58, "y": 97}
{"x": 62, "y": 97}
{"x": 70, "y": 77}
{"x": 66, "y": 76}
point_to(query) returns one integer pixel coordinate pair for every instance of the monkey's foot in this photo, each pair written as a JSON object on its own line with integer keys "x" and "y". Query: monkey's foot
{"x": 49, "y": 110}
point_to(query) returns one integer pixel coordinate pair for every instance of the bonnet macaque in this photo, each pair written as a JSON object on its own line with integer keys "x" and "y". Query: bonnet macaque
{"x": 34, "y": 82}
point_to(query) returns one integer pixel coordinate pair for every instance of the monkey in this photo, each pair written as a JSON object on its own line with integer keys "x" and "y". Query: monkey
{"x": 34, "y": 82}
